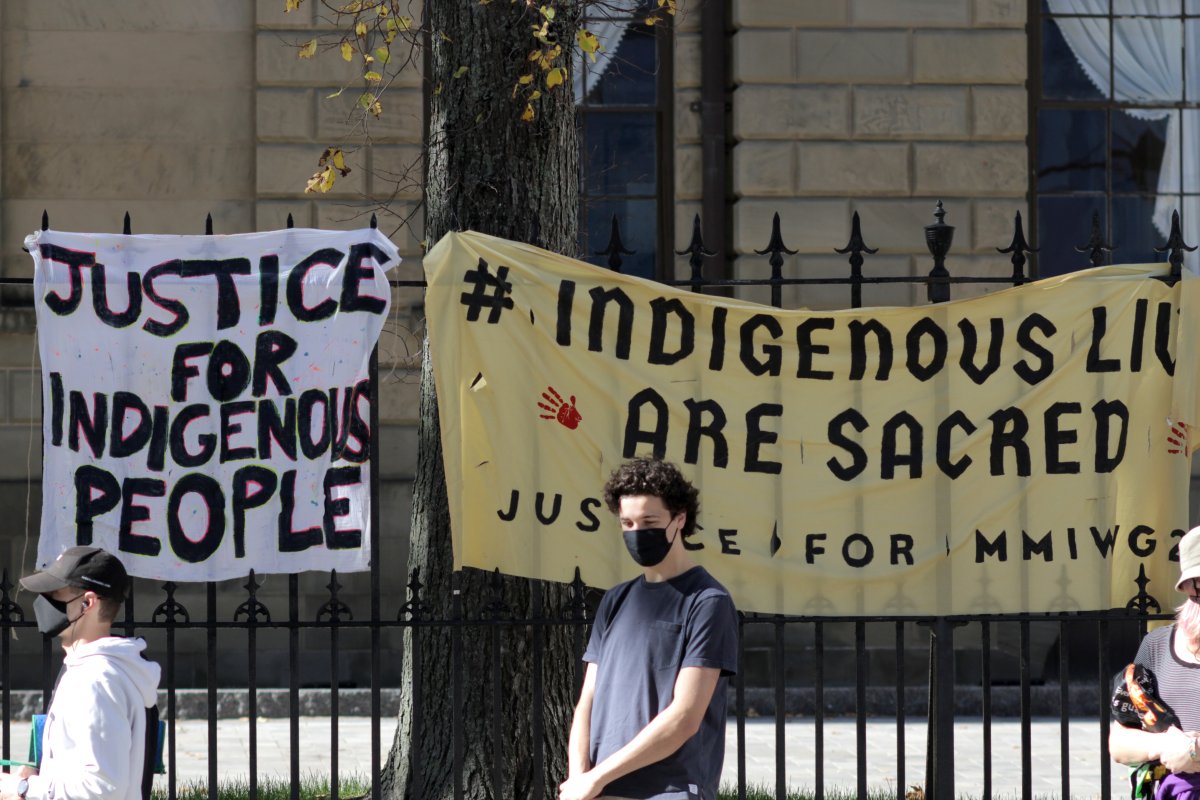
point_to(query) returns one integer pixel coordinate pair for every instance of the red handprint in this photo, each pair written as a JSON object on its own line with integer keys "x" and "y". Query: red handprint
{"x": 566, "y": 413}
{"x": 1177, "y": 438}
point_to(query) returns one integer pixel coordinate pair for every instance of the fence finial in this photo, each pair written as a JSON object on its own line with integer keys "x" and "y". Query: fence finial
{"x": 776, "y": 248}
{"x": 1018, "y": 247}
{"x": 9, "y": 611}
{"x": 616, "y": 248}
{"x": 253, "y": 611}
{"x": 127, "y": 229}
{"x": 1095, "y": 247}
{"x": 374, "y": 220}
{"x": 856, "y": 247}
{"x": 208, "y": 225}
{"x": 938, "y": 238}
{"x": 291, "y": 223}
{"x": 697, "y": 252}
{"x": 1176, "y": 246}
{"x": 416, "y": 608}
{"x": 45, "y": 220}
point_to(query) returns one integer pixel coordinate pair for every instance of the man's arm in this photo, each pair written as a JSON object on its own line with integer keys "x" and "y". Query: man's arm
{"x": 665, "y": 734}
{"x": 579, "y": 748}
{"x": 101, "y": 737}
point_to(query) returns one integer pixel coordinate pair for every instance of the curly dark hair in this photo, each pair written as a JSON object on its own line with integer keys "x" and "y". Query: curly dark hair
{"x": 655, "y": 478}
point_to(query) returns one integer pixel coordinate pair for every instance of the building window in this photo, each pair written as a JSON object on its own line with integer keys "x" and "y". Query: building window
{"x": 1116, "y": 128}
{"x": 624, "y": 102}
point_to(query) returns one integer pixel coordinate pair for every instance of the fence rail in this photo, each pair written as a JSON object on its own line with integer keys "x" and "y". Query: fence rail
{"x": 156, "y": 612}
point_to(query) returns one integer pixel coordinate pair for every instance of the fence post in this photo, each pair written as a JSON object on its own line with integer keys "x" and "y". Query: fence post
{"x": 939, "y": 769}
{"x": 938, "y": 238}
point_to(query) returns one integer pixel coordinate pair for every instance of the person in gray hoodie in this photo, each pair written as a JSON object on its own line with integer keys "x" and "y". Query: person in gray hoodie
{"x": 93, "y": 746}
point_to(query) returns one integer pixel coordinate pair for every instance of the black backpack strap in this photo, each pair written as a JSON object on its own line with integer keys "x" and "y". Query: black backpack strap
{"x": 151, "y": 751}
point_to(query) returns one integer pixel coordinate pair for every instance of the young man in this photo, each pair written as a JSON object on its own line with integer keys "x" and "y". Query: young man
{"x": 93, "y": 746}
{"x": 650, "y": 722}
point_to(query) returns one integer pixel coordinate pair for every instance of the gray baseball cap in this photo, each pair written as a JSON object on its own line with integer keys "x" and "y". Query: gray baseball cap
{"x": 84, "y": 568}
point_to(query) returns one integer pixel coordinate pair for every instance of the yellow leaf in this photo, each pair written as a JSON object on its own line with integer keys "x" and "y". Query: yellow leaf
{"x": 372, "y": 77}
{"x": 291, "y": 5}
{"x": 321, "y": 181}
{"x": 347, "y": 51}
{"x": 360, "y": 30}
{"x": 547, "y": 11}
{"x": 438, "y": 89}
{"x": 525, "y": 80}
{"x": 335, "y": 94}
{"x": 528, "y": 115}
{"x": 442, "y": 35}
{"x": 383, "y": 10}
{"x": 365, "y": 99}
{"x": 351, "y": 8}
{"x": 651, "y": 21}
{"x": 458, "y": 73}
{"x": 534, "y": 55}
{"x": 535, "y": 95}
{"x": 339, "y": 161}
{"x": 404, "y": 23}
{"x": 588, "y": 42}
{"x": 376, "y": 108}
{"x": 368, "y": 59}
{"x": 555, "y": 77}
{"x": 383, "y": 54}
{"x": 309, "y": 49}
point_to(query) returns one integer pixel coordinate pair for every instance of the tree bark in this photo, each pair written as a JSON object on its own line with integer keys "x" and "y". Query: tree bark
{"x": 492, "y": 172}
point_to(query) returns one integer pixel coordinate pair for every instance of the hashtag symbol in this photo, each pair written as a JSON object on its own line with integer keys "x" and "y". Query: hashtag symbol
{"x": 477, "y": 298}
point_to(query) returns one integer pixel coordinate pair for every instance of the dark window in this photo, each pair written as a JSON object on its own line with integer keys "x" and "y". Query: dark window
{"x": 624, "y": 102}
{"x": 1116, "y": 99}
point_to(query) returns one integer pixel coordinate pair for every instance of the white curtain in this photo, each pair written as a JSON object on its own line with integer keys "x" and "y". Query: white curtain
{"x": 609, "y": 30}
{"x": 1147, "y": 68}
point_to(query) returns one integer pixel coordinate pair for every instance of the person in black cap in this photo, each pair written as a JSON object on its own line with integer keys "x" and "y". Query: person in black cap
{"x": 93, "y": 746}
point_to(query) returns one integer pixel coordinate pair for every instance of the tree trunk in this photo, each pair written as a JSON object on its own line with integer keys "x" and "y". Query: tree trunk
{"x": 489, "y": 171}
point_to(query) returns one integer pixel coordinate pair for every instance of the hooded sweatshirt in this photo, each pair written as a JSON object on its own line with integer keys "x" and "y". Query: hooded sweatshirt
{"x": 94, "y": 742}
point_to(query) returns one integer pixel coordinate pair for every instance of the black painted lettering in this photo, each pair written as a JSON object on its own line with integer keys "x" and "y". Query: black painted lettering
{"x": 1099, "y": 325}
{"x": 290, "y": 539}
{"x": 1009, "y": 428}
{"x": 966, "y": 361}
{"x": 325, "y": 257}
{"x": 859, "y": 329}
{"x": 600, "y": 301}
{"x": 713, "y": 430}
{"x": 662, "y": 310}
{"x": 1057, "y": 436}
{"x": 356, "y": 272}
{"x": 195, "y": 550}
{"x": 96, "y": 493}
{"x": 253, "y": 487}
{"x": 340, "y": 538}
{"x": 1045, "y": 359}
{"x": 837, "y": 438}
{"x": 635, "y": 434}
{"x": 808, "y": 348}
{"x": 997, "y": 548}
{"x": 773, "y": 353}
{"x": 131, "y": 512}
{"x": 1108, "y": 454}
{"x": 891, "y": 458}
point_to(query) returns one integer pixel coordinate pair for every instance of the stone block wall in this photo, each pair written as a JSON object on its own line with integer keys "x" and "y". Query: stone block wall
{"x": 879, "y": 107}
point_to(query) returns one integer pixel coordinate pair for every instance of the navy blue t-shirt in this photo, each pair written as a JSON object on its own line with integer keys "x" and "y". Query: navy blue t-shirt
{"x": 644, "y": 634}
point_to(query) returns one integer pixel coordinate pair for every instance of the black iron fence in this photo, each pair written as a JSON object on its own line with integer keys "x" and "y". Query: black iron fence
{"x": 158, "y": 613}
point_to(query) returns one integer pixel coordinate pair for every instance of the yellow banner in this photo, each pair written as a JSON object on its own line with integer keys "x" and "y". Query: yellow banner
{"x": 1023, "y": 451}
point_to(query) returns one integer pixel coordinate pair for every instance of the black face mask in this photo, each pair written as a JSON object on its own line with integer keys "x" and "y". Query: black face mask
{"x": 51, "y": 615}
{"x": 648, "y": 546}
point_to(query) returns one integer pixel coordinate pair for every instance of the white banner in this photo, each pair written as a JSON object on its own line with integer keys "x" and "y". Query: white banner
{"x": 206, "y": 398}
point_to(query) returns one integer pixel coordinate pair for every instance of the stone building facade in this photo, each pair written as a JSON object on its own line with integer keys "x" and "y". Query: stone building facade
{"x": 172, "y": 111}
